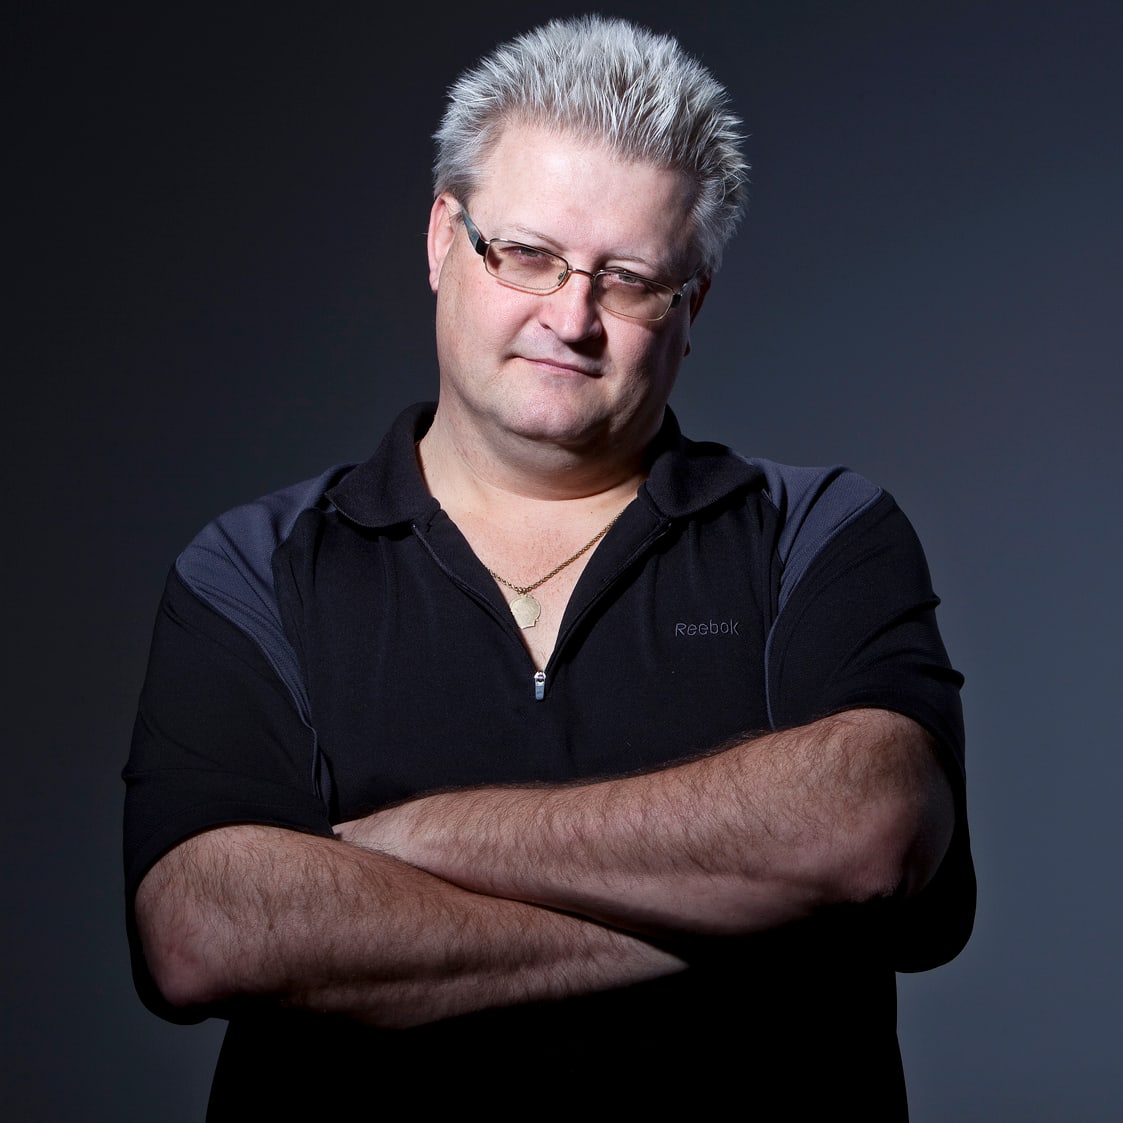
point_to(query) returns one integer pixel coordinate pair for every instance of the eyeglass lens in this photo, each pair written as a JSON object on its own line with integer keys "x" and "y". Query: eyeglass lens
{"x": 538, "y": 271}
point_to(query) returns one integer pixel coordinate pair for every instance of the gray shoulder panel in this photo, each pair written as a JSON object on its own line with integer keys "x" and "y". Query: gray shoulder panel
{"x": 815, "y": 504}
{"x": 229, "y": 566}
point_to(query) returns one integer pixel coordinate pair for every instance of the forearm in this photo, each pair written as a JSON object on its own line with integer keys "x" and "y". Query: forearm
{"x": 846, "y": 809}
{"x": 259, "y": 912}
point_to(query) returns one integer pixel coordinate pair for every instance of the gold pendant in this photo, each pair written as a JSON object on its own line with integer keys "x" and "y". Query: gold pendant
{"x": 526, "y": 610}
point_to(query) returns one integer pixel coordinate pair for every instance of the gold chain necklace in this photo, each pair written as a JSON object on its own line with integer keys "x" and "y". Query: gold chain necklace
{"x": 525, "y": 608}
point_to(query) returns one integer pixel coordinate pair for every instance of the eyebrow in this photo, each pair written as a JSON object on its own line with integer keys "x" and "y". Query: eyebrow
{"x": 539, "y": 240}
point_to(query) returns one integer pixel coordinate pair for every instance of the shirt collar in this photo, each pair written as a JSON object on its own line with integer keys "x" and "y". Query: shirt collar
{"x": 388, "y": 488}
{"x": 685, "y": 476}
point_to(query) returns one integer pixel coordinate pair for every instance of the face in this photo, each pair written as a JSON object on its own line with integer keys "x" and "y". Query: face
{"x": 559, "y": 369}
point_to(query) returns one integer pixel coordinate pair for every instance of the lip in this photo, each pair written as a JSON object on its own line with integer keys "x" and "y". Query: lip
{"x": 561, "y": 367}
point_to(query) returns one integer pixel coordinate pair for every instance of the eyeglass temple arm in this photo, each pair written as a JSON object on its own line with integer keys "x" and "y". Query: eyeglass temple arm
{"x": 474, "y": 236}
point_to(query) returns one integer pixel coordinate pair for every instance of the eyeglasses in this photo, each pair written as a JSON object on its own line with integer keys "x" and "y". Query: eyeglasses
{"x": 530, "y": 269}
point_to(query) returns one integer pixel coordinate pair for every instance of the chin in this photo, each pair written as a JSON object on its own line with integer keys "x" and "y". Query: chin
{"x": 566, "y": 428}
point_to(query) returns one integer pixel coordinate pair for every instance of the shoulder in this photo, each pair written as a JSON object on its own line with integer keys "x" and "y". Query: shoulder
{"x": 805, "y": 513}
{"x": 814, "y": 500}
{"x": 806, "y": 503}
{"x": 237, "y": 548}
{"x": 232, "y": 556}
{"x": 815, "y": 506}
{"x": 228, "y": 568}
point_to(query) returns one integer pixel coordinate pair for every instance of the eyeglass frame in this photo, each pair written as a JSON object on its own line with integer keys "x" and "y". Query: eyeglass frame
{"x": 481, "y": 245}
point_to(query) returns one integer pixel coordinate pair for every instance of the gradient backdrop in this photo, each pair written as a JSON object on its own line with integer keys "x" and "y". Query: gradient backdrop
{"x": 218, "y": 286}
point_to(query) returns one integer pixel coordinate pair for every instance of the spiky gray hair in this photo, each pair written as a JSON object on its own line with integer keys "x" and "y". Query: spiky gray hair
{"x": 612, "y": 82}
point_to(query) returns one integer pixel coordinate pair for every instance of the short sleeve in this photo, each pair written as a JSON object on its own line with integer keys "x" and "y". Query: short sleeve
{"x": 218, "y": 740}
{"x": 858, "y": 629}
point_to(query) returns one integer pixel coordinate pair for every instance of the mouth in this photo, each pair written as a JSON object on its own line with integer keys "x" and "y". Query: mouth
{"x": 565, "y": 368}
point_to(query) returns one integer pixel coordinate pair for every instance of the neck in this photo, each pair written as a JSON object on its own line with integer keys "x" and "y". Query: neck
{"x": 461, "y": 471}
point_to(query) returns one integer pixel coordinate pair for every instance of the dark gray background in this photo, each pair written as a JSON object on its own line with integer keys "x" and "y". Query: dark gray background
{"x": 218, "y": 286}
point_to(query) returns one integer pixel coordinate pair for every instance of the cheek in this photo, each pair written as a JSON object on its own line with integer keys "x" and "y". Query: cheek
{"x": 664, "y": 353}
{"x": 484, "y": 311}
{"x": 676, "y": 345}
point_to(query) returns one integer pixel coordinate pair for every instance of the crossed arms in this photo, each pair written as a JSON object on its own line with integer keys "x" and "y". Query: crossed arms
{"x": 498, "y": 896}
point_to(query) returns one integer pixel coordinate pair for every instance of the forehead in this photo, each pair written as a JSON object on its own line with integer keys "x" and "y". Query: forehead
{"x": 544, "y": 185}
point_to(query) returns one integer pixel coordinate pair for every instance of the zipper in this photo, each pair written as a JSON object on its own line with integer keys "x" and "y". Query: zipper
{"x": 653, "y": 536}
{"x": 539, "y": 679}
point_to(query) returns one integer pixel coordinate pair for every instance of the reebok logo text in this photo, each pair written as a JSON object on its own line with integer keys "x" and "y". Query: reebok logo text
{"x": 710, "y": 628}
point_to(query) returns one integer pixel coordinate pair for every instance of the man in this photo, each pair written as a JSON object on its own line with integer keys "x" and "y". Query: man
{"x": 549, "y": 761}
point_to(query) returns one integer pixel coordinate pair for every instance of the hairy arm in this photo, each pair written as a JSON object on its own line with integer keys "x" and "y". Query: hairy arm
{"x": 847, "y": 809}
{"x": 261, "y": 912}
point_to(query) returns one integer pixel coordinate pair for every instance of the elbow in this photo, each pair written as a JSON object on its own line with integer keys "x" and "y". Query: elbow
{"x": 176, "y": 946}
{"x": 901, "y": 828}
{"x": 900, "y": 845}
{"x": 179, "y": 974}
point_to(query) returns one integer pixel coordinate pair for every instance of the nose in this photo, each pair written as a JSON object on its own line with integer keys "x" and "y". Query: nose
{"x": 571, "y": 312}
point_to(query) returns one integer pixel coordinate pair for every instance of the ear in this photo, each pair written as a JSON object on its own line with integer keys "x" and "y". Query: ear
{"x": 697, "y": 297}
{"x": 442, "y": 230}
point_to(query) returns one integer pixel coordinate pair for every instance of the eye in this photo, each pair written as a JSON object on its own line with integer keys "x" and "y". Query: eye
{"x": 622, "y": 279}
{"x": 525, "y": 255}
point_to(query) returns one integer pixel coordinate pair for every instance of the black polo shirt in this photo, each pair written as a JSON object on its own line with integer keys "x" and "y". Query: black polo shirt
{"x": 337, "y": 646}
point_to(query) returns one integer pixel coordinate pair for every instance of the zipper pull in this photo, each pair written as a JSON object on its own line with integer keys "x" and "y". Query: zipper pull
{"x": 539, "y": 685}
